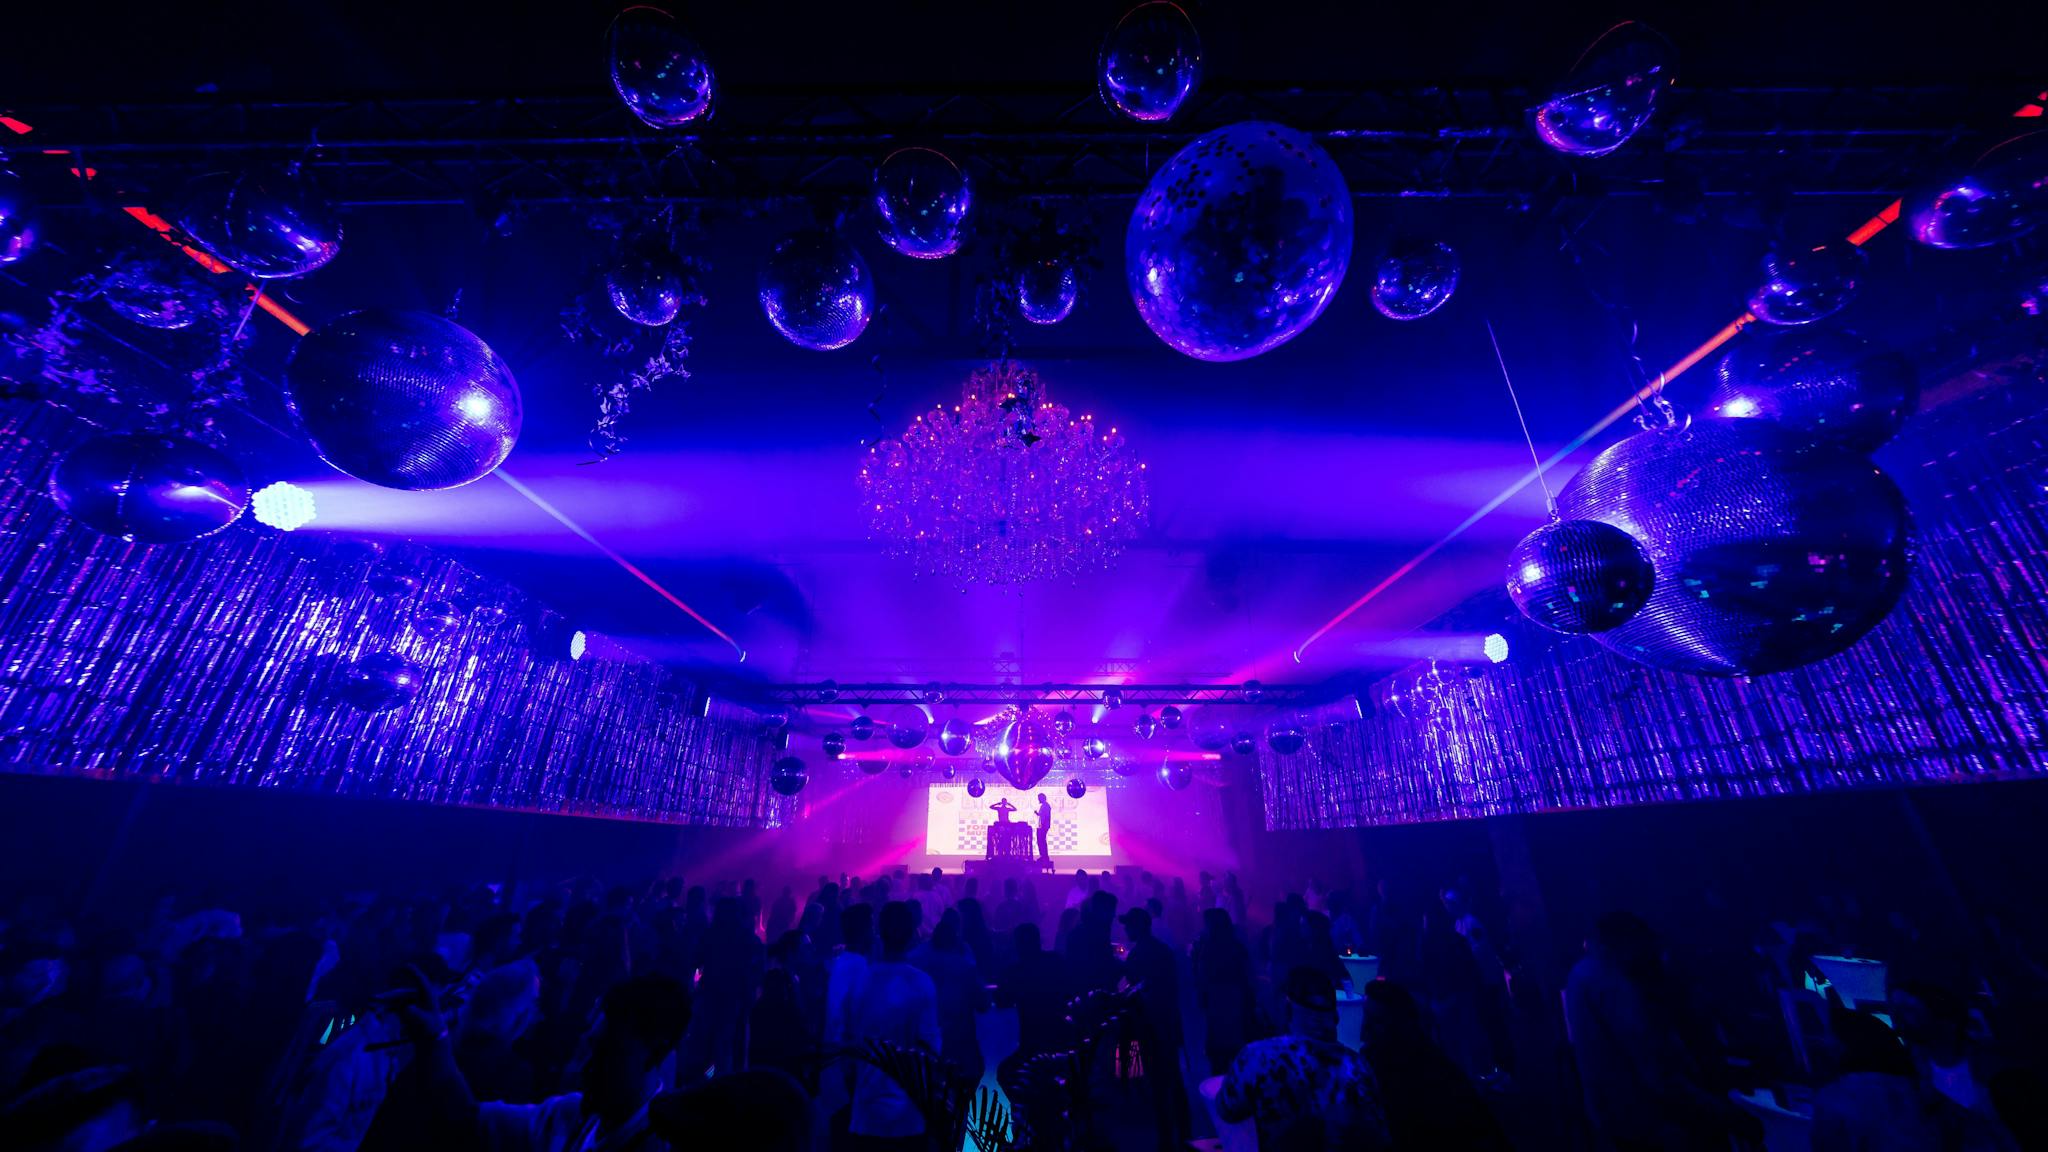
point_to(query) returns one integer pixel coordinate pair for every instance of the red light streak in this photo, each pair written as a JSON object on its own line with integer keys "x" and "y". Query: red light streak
{"x": 19, "y": 128}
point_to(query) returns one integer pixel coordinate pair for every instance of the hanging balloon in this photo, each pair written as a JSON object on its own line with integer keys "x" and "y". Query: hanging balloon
{"x": 1610, "y": 93}
{"x": 1177, "y": 774}
{"x": 1244, "y": 744}
{"x": 1770, "y": 552}
{"x": 1047, "y": 288}
{"x": 1579, "y": 576}
{"x": 1831, "y": 385}
{"x": 1076, "y": 788}
{"x": 152, "y": 489}
{"x": 1169, "y": 717}
{"x": 834, "y": 744}
{"x": 908, "y": 726}
{"x": 788, "y": 776}
{"x": 1239, "y": 242}
{"x": 658, "y": 70}
{"x": 1414, "y": 279}
{"x": 1095, "y": 748}
{"x": 437, "y": 619}
{"x": 873, "y": 767}
{"x": 404, "y": 399}
{"x": 863, "y": 727}
{"x": 380, "y": 682}
{"x": 1146, "y": 727}
{"x": 817, "y": 291}
{"x": 156, "y": 290}
{"x": 1063, "y": 723}
{"x": 922, "y": 198}
{"x": 957, "y": 737}
{"x": 1028, "y": 751}
{"x": 646, "y": 284}
{"x": 266, "y": 223}
{"x": 1802, "y": 287}
{"x": 2002, "y": 197}
{"x": 17, "y": 219}
{"x": 1287, "y": 735}
{"x": 1150, "y": 62}
{"x": 976, "y": 788}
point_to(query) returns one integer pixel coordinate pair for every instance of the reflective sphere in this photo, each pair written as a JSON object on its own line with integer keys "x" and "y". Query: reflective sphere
{"x": 1210, "y": 729}
{"x": 1830, "y": 385}
{"x": 1123, "y": 767}
{"x": 381, "y": 681}
{"x": 1047, "y": 289}
{"x": 489, "y": 615}
{"x": 1151, "y": 62}
{"x": 1095, "y": 748}
{"x": 1609, "y": 94}
{"x": 1287, "y": 735}
{"x": 1112, "y": 698}
{"x": 873, "y": 767}
{"x": 1244, "y": 744}
{"x": 386, "y": 582}
{"x": 1414, "y": 279}
{"x": 1801, "y": 287}
{"x": 949, "y": 771}
{"x": 834, "y": 744}
{"x": 907, "y": 771}
{"x": 788, "y": 776}
{"x": 828, "y": 691}
{"x": 956, "y": 738}
{"x": 922, "y": 198}
{"x": 1029, "y": 750}
{"x": 1579, "y": 576}
{"x": 1063, "y": 723}
{"x": 152, "y": 489}
{"x": 404, "y": 399}
{"x": 1769, "y": 552}
{"x": 1169, "y": 717}
{"x": 17, "y": 219}
{"x": 436, "y": 619}
{"x": 1254, "y": 691}
{"x": 976, "y": 788}
{"x": 817, "y": 291}
{"x": 2002, "y": 197}
{"x": 156, "y": 290}
{"x": 266, "y": 223}
{"x": 863, "y": 727}
{"x": 646, "y": 286}
{"x": 908, "y": 726}
{"x": 934, "y": 693}
{"x": 1177, "y": 774}
{"x": 658, "y": 70}
{"x": 1146, "y": 727}
{"x": 1239, "y": 241}
{"x": 1076, "y": 788}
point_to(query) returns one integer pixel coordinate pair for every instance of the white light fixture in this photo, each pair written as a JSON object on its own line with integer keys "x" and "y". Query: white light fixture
{"x": 283, "y": 506}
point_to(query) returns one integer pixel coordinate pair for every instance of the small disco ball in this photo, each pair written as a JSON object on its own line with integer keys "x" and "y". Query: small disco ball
{"x": 1076, "y": 788}
{"x": 1095, "y": 748}
{"x": 1414, "y": 279}
{"x": 150, "y": 489}
{"x": 949, "y": 771}
{"x": 935, "y": 693}
{"x": 1063, "y": 723}
{"x": 1146, "y": 727}
{"x": 788, "y": 777}
{"x": 1113, "y": 698}
{"x": 908, "y": 771}
{"x": 976, "y": 788}
{"x": 1579, "y": 576}
{"x": 1047, "y": 289}
{"x": 1238, "y": 243}
{"x": 646, "y": 285}
{"x": 1210, "y": 729}
{"x": 1177, "y": 774}
{"x": 156, "y": 290}
{"x": 437, "y": 619}
{"x": 956, "y": 737}
{"x": 1169, "y": 717}
{"x": 828, "y": 691}
{"x": 380, "y": 682}
{"x": 1802, "y": 287}
{"x": 1123, "y": 767}
{"x": 658, "y": 70}
{"x": 1150, "y": 62}
{"x": 873, "y": 767}
{"x": 1770, "y": 552}
{"x": 1244, "y": 744}
{"x": 265, "y": 223}
{"x": 17, "y": 219}
{"x": 388, "y": 582}
{"x": 908, "y": 726}
{"x": 1610, "y": 93}
{"x": 1254, "y": 691}
{"x": 404, "y": 400}
{"x": 863, "y": 727}
{"x": 834, "y": 744}
{"x": 1831, "y": 385}
{"x": 817, "y": 291}
{"x": 488, "y": 615}
{"x": 922, "y": 197}
{"x": 1287, "y": 735}
{"x": 2002, "y": 197}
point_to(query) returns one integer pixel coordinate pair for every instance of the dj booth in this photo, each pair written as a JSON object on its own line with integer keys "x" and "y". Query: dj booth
{"x": 1012, "y": 840}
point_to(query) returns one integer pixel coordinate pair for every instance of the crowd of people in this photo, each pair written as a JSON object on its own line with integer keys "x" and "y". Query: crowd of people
{"x": 585, "y": 1018}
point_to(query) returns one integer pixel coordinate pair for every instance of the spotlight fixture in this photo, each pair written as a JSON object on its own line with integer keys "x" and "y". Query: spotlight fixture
{"x": 1496, "y": 648}
{"x": 283, "y": 506}
{"x": 579, "y": 641}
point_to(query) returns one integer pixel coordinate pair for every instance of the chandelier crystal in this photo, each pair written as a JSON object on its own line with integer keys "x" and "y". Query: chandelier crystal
{"x": 1005, "y": 487}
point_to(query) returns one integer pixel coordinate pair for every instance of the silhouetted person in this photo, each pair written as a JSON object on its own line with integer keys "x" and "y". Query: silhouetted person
{"x": 897, "y": 1003}
{"x": 1430, "y": 1103}
{"x": 731, "y": 969}
{"x": 1223, "y": 982}
{"x": 1036, "y": 984}
{"x": 1305, "y": 1091}
{"x": 1154, "y": 970}
{"x": 957, "y": 979}
{"x": 1044, "y": 829}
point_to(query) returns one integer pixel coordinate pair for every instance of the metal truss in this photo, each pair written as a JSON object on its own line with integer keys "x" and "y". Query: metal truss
{"x": 1250, "y": 694}
{"x": 805, "y": 145}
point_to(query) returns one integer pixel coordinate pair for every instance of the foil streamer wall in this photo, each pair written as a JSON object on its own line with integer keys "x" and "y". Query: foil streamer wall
{"x": 1952, "y": 686}
{"x": 213, "y": 663}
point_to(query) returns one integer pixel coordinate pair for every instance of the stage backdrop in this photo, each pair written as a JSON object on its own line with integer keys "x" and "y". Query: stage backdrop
{"x": 956, "y": 824}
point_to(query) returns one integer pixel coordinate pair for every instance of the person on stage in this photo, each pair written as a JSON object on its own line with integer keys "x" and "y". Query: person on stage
{"x": 1003, "y": 808}
{"x": 1044, "y": 828}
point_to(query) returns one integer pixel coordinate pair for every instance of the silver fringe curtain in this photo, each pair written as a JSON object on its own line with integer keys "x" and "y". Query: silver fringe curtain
{"x": 1952, "y": 686}
{"x": 212, "y": 663}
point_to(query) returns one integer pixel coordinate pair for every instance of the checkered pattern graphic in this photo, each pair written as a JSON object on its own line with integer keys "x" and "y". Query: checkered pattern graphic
{"x": 957, "y": 824}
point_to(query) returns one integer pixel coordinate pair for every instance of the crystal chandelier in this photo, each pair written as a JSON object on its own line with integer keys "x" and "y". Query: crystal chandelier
{"x": 1004, "y": 487}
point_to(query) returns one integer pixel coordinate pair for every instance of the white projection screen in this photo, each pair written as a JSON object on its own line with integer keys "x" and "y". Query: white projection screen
{"x": 956, "y": 824}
